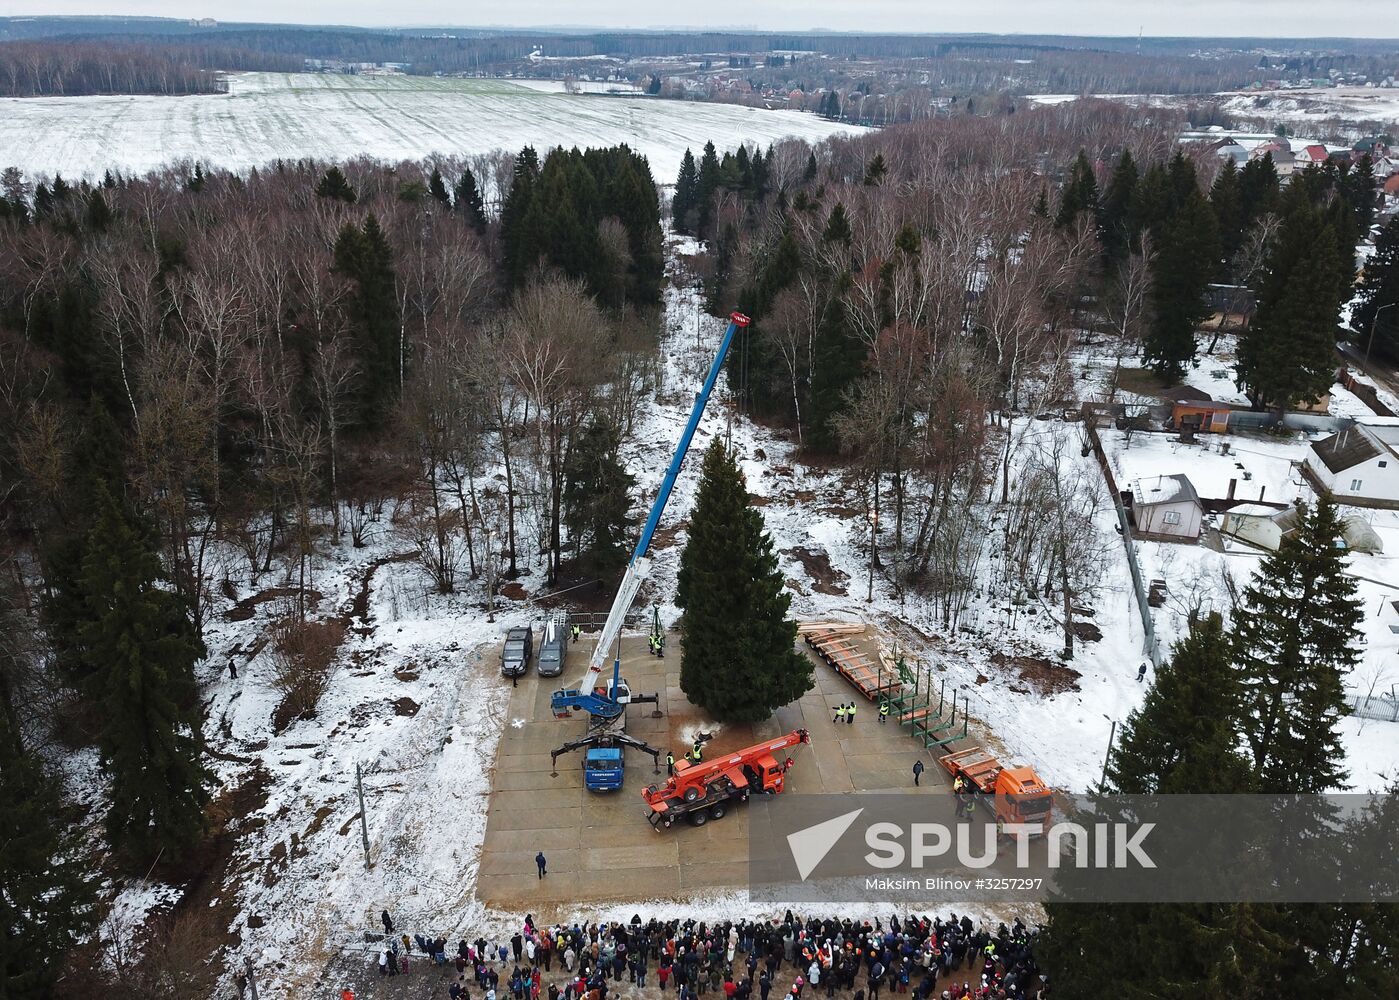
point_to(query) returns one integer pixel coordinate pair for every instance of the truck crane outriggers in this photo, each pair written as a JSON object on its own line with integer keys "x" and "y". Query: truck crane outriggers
{"x": 605, "y": 703}
{"x": 702, "y": 792}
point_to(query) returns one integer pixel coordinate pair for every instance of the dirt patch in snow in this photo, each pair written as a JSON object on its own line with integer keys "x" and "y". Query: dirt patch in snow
{"x": 1044, "y": 676}
{"x": 665, "y": 537}
{"x": 405, "y": 706}
{"x": 825, "y": 578}
{"x": 359, "y": 607}
{"x": 247, "y": 607}
{"x": 1087, "y": 631}
{"x": 514, "y": 592}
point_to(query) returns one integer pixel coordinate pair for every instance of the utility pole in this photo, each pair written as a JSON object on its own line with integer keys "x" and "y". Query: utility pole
{"x": 252, "y": 978}
{"x": 1374, "y": 320}
{"x": 491, "y": 559}
{"x": 363, "y": 819}
{"x": 1112, "y": 735}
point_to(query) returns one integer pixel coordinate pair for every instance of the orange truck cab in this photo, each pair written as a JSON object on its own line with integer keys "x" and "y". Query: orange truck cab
{"x": 1013, "y": 794}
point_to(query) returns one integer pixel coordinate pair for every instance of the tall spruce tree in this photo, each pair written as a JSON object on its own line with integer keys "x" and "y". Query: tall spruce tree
{"x": 466, "y": 200}
{"x": 94, "y": 461}
{"x": 739, "y": 663}
{"x": 838, "y": 227}
{"x": 334, "y": 186}
{"x": 1258, "y": 189}
{"x": 1080, "y": 194}
{"x": 706, "y": 185}
{"x": 1184, "y": 738}
{"x": 47, "y": 902}
{"x": 1287, "y": 354}
{"x": 683, "y": 202}
{"x": 1185, "y": 243}
{"x": 518, "y": 247}
{"x": 143, "y": 648}
{"x": 363, "y": 255}
{"x": 437, "y": 188}
{"x": 1227, "y": 202}
{"x": 1376, "y": 316}
{"x": 1295, "y": 636}
{"x": 1116, "y": 207}
{"x": 597, "y": 498}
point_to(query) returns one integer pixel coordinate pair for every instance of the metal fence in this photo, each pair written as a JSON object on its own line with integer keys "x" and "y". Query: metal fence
{"x": 1384, "y": 707}
{"x": 1153, "y": 648}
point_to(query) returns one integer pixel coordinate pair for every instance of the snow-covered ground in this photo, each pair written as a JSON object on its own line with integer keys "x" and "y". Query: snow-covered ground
{"x": 271, "y": 116}
{"x": 417, "y": 700}
{"x": 1302, "y": 107}
{"x": 1299, "y": 109}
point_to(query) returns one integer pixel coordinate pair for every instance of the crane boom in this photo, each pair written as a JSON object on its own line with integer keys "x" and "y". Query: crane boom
{"x": 585, "y": 696}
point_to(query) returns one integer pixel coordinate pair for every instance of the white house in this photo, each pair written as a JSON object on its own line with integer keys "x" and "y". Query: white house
{"x": 1311, "y": 156}
{"x": 1359, "y": 465}
{"x": 1281, "y": 151}
{"x": 1167, "y": 508}
{"x": 1260, "y": 524}
{"x": 1229, "y": 149}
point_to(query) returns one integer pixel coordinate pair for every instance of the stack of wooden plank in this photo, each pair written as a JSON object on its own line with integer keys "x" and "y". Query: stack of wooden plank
{"x": 835, "y": 643}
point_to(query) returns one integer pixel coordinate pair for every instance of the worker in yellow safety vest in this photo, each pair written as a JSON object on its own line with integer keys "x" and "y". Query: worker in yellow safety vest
{"x": 850, "y": 714}
{"x": 670, "y": 762}
{"x": 695, "y": 753}
{"x": 840, "y": 714}
{"x": 883, "y": 712}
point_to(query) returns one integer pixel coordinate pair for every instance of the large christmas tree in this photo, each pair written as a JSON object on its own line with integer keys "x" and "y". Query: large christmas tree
{"x": 739, "y": 662}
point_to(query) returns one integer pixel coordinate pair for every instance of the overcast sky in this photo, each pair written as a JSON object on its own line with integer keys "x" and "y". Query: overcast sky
{"x": 1276, "y": 18}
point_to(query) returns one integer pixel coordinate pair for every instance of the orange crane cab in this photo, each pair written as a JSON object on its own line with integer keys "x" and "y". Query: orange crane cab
{"x": 705, "y": 791}
{"x": 1013, "y": 794}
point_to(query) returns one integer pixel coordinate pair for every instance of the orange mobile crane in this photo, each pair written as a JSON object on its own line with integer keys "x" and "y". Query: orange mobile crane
{"x": 705, "y": 791}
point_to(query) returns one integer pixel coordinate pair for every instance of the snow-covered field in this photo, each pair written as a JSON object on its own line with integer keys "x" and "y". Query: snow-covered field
{"x": 270, "y": 116}
{"x": 1350, "y": 104}
{"x": 1298, "y": 108}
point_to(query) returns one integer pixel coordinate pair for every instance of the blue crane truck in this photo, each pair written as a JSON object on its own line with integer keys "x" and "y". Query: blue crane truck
{"x": 605, "y": 704}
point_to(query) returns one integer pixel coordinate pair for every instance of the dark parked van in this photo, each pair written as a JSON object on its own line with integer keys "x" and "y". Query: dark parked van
{"x": 519, "y": 647}
{"x": 553, "y": 648}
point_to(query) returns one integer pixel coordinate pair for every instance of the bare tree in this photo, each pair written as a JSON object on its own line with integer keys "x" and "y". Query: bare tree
{"x": 333, "y": 374}
{"x": 1126, "y": 307}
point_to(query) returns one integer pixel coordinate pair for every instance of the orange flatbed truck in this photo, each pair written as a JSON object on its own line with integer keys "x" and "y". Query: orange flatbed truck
{"x": 705, "y": 791}
{"x": 1013, "y": 794}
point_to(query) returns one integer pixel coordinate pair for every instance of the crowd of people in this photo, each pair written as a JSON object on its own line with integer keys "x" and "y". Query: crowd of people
{"x": 927, "y": 958}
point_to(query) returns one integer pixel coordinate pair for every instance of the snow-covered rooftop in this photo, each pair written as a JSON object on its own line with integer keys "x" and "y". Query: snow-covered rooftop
{"x": 1163, "y": 489}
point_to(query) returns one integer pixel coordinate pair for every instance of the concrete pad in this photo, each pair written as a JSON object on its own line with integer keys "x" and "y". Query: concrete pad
{"x": 506, "y": 841}
{"x": 566, "y": 818}
{"x": 600, "y": 843}
{"x": 656, "y": 855}
{"x": 524, "y": 781}
{"x": 522, "y": 862}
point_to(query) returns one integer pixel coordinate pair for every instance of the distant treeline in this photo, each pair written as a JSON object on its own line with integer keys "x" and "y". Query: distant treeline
{"x": 964, "y": 64}
{"x": 76, "y": 68}
{"x": 944, "y": 64}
